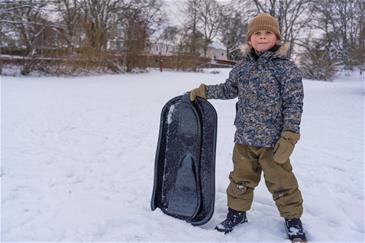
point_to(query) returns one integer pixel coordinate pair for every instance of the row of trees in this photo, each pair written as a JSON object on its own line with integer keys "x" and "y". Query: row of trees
{"x": 329, "y": 33}
{"x": 341, "y": 41}
{"x": 86, "y": 29}
{"x": 75, "y": 23}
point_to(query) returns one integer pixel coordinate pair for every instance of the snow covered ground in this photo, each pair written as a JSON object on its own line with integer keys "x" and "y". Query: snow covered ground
{"x": 78, "y": 161}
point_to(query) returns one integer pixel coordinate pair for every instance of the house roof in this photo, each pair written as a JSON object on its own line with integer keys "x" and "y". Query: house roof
{"x": 217, "y": 45}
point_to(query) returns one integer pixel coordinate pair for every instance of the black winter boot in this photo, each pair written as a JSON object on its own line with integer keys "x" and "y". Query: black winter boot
{"x": 233, "y": 219}
{"x": 295, "y": 231}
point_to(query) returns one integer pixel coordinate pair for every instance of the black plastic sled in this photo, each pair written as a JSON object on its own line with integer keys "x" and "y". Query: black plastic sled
{"x": 184, "y": 182}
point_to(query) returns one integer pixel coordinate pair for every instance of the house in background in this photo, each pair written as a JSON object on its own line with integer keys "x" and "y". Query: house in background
{"x": 216, "y": 50}
{"x": 163, "y": 48}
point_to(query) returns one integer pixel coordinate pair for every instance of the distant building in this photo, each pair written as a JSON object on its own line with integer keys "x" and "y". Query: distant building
{"x": 216, "y": 51}
{"x": 163, "y": 49}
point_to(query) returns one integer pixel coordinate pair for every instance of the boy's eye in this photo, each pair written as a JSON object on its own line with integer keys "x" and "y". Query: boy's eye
{"x": 265, "y": 32}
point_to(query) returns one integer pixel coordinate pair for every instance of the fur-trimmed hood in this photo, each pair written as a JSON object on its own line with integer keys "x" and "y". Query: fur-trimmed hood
{"x": 281, "y": 52}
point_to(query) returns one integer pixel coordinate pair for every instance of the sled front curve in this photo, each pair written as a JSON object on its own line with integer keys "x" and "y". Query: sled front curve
{"x": 184, "y": 177}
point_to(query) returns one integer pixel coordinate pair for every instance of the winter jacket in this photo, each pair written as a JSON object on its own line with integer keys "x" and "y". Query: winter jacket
{"x": 270, "y": 96}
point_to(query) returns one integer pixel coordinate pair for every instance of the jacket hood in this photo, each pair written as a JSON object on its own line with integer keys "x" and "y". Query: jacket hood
{"x": 281, "y": 52}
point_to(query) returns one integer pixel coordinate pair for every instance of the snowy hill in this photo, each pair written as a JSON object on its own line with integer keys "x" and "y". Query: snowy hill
{"x": 78, "y": 161}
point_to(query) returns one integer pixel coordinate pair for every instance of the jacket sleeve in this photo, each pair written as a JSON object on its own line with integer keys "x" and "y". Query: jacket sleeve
{"x": 224, "y": 91}
{"x": 292, "y": 95}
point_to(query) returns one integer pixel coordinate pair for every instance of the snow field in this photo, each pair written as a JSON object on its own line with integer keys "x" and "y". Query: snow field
{"x": 78, "y": 161}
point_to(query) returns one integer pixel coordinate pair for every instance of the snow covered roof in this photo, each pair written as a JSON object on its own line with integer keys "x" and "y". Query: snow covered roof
{"x": 217, "y": 45}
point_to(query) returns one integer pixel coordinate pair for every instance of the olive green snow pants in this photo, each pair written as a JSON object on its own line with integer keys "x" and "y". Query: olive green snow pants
{"x": 248, "y": 162}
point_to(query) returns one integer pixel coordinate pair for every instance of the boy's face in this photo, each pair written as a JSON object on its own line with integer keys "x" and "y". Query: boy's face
{"x": 262, "y": 40}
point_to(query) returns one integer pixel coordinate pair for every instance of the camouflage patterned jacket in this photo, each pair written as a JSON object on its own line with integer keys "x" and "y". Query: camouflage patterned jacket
{"x": 270, "y": 96}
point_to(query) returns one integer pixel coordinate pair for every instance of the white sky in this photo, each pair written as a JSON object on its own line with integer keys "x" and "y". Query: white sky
{"x": 173, "y": 11}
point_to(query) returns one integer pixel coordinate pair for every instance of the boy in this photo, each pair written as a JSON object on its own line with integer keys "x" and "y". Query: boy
{"x": 269, "y": 109}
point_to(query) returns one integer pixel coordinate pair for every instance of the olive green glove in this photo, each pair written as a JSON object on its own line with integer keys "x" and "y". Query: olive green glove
{"x": 285, "y": 146}
{"x": 198, "y": 92}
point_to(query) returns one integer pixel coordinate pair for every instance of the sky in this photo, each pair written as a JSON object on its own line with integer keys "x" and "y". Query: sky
{"x": 173, "y": 10}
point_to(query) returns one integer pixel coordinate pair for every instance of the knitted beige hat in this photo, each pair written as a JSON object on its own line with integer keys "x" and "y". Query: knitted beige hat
{"x": 263, "y": 21}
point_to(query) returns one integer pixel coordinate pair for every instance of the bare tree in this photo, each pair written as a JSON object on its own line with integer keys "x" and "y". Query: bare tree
{"x": 192, "y": 34}
{"x": 97, "y": 20}
{"x": 210, "y": 19}
{"x": 139, "y": 21}
{"x": 170, "y": 34}
{"x": 341, "y": 23}
{"x": 152, "y": 13}
{"x": 360, "y": 36}
{"x": 233, "y": 30}
{"x": 316, "y": 62}
{"x": 136, "y": 36}
{"x": 70, "y": 26}
{"x": 25, "y": 21}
